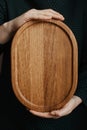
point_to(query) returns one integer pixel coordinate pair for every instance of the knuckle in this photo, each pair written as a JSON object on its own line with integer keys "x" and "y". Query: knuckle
{"x": 33, "y": 10}
{"x": 59, "y": 114}
{"x": 50, "y": 9}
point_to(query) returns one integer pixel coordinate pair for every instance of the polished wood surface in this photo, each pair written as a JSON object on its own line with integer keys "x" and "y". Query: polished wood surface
{"x": 44, "y": 64}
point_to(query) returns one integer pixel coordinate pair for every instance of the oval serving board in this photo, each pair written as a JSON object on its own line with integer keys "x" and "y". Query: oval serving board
{"x": 44, "y": 65}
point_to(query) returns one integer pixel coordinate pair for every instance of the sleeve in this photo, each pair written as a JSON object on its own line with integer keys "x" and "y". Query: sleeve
{"x": 82, "y": 78}
{"x": 3, "y": 18}
{"x": 3, "y": 11}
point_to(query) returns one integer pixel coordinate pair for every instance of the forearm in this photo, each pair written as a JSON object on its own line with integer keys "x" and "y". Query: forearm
{"x": 6, "y": 32}
{"x": 8, "y": 29}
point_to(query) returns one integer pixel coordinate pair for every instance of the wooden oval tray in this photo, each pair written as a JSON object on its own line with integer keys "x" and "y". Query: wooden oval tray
{"x": 44, "y": 65}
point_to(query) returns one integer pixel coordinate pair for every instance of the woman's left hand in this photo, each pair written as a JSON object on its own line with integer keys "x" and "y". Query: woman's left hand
{"x": 67, "y": 109}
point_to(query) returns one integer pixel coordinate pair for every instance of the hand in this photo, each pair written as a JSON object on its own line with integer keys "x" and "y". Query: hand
{"x": 67, "y": 109}
{"x": 42, "y": 14}
{"x": 38, "y": 15}
{"x": 8, "y": 29}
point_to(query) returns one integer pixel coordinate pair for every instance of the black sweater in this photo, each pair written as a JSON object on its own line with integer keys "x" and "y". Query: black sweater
{"x": 76, "y": 18}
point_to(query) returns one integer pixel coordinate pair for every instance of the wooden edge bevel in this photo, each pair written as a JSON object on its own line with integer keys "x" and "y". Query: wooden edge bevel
{"x": 17, "y": 92}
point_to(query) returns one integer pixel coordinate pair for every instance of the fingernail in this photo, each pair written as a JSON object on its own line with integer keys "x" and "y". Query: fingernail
{"x": 61, "y": 17}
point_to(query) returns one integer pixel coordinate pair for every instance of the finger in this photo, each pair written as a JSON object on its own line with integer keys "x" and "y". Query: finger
{"x": 43, "y": 14}
{"x": 36, "y": 15}
{"x": 58, "y": 17}
{"x": 50, "y": 10}
{"x": 55, "y": 16}
{"x": 41, "y": 114}
{"x": 67, "y": 109}
{"x": 55, "y": 13}
{"x": 41, "y": 17}
{"x": 61, "y": 112}
{"x": 55, "y": 113}
{"x": 55, "y": 117}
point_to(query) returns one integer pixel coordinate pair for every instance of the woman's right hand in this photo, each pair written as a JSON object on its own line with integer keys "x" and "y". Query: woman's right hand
{"x": 8, "y": 29}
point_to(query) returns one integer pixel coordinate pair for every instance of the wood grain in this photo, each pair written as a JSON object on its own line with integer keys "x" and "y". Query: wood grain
{"x": 44, "y": 64}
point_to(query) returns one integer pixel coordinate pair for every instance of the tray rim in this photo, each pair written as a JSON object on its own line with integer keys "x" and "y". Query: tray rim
{"x": 72, "y": 38}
